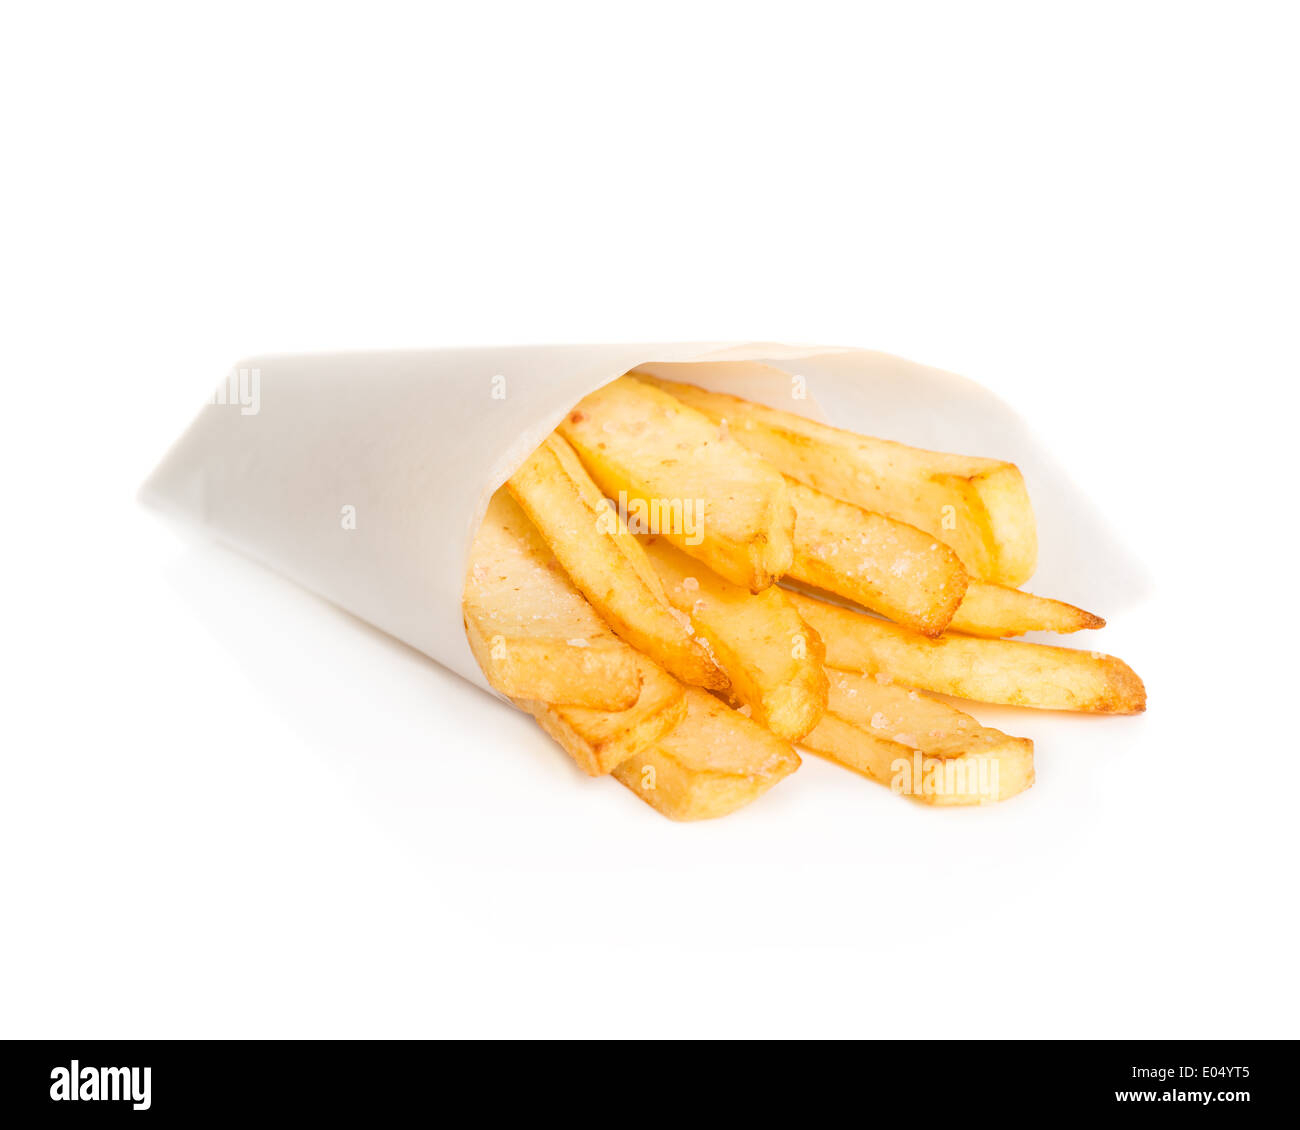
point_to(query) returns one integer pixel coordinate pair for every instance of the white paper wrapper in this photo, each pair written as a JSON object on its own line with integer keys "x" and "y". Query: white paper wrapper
{"x": 362, "y": 476}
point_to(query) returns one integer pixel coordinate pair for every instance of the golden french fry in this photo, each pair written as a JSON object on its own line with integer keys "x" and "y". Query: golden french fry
{"x": 532, "y": 632}
{"x": 921, "y": 748}
{"x": 1002, "y": 671}
{"x": 995, "y": 610}
{"x": 600, "y": 740}
{"x": 978, "y": 506}
{"x": 686, "y": 479}
{"x": 885, "y": 565}
{"x": 714, "y": 761}
{"x": 607, "y": 563}
{"x": 773, "y": 659}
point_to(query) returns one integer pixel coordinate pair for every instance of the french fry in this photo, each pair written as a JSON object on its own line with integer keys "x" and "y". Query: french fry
{"x": 714, "y": 761}
{"x": 773, "y": 659}
{"x": 885, "y": 565}
{"x": 607, "y": 563}
{"x": 724, "y": 505}
{"x": 1001, "y": 671}
{"x": 921, "y": 748}
{"x": 532, "y": 632}
{"x": 600, "y": 740}
{"x": 995, "y": 610}
{"x": 909, "y": 576}
{"x": 978, "y": 506}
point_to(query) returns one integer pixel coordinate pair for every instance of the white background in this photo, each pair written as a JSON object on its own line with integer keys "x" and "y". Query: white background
{"x": 227, "y": 809}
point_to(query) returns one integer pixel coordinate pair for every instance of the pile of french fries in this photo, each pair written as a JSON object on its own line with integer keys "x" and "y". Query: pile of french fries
{"x": 763, "y": 581}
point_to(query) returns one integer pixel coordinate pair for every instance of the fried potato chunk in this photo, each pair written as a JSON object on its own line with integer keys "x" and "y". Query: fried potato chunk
{"x": 887, "y": 566}
{"x": 687, "y": 479}
{"x": 714, "y": 761}
{"x": 1002, "y": 671}
{"x": 607, "y": 563}
{"x": 534, "y": 634}
{"x": 921, "y": 748}
{"x": 600, "y": 740}
{"x": 978, "y": 506}
{"x": 773, "y": 659}
{"x": 995, "y": 610}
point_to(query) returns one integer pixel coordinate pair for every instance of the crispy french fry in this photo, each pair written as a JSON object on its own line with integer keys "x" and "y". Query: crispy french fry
{"x": 607, "y": 563}
{"x": 905, "y": 574}
{"x": 885, "y": 565}
{"x": 921, "y": 748}
{"x": 532, "y": 632}
{"x": 995, "y": 610}
{"x": 691, "y": 482}
{"x": 978, "y": 506}
{"x": 714, "y": 761}
{"x": 1001, "y": 671}
{"x": 773, "y": 659}
{"x": 600, "y": 740}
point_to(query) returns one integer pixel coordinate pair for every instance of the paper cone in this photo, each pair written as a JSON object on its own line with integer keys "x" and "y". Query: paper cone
{"x": 363, "y": 476}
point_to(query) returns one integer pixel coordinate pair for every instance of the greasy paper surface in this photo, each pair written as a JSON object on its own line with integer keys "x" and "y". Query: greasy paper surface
{"x": 362, "y": 476}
